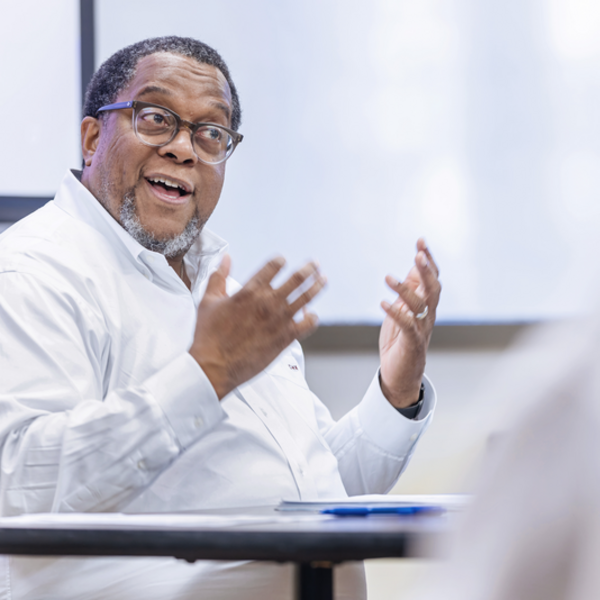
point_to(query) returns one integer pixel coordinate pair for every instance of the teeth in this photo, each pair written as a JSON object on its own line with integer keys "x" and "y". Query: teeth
{"x": 167, "y": 182}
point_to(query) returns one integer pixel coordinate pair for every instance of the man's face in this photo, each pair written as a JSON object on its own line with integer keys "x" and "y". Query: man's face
{"x": 123, "y": 173}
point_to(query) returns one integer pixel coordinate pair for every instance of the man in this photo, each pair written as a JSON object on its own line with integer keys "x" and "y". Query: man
{"x": 138, "y": 378}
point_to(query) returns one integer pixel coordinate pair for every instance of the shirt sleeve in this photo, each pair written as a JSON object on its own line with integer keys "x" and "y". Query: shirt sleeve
{"x": 65, "y": 444}
{"x": 374, "y": 442}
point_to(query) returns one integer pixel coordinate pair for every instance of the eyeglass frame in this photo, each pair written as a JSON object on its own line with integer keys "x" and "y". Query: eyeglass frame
{"x": 179, "y": 122}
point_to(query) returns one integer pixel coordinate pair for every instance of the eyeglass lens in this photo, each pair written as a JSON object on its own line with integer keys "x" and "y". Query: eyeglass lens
{"x": 157, "y": 127}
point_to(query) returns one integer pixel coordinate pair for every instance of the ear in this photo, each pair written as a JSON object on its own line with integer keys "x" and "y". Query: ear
{"x": 90, "y": 138}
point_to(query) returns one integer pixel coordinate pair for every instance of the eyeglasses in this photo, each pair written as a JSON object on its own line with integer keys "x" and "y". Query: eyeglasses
{"x": 155, "y": 125}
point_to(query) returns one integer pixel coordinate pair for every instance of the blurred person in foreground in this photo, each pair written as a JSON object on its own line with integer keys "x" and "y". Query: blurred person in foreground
{"x": 533, "y": 530}
{"x": 138, "y": 377}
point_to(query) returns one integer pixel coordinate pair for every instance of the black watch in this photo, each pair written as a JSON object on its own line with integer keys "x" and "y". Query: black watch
{"x": 412, "y": 411}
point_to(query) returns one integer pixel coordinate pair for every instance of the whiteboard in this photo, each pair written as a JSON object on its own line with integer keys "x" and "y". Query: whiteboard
{"x": 368, "y": 123}
{"x": 40, "y": 99}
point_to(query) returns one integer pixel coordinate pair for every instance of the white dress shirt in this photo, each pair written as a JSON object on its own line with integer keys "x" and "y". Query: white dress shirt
{"x": 103, "y": 409}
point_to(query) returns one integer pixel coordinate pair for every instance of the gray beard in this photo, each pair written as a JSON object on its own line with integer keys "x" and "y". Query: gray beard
{"x": 170, "y": 247}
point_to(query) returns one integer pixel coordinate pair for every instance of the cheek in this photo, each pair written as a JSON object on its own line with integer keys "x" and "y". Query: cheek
{"x": 109, "y": 167}
{"x": 104, "y": 183}
{"x": 123, "y": 154}
{"x": 210, "y": 192}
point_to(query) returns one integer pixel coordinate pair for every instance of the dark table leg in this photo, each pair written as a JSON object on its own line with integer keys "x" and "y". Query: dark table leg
{"x": 314, "y": 581}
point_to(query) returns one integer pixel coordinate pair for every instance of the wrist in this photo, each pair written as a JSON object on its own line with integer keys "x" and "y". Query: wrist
{"x": 405, "y": 398}
{"x": 413, "y": 411}
{"x": 216, "y": 375}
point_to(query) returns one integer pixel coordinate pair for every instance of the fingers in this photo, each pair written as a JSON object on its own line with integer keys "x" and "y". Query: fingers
{"x": 225, "y": 266}
{"x": 414, "y": 302}
{"x": 425, "y": 275}
{"x": 399, "y": 313}
{"x": 293, "y": 295}
{"x": 298, "y": 278}
{"x": 217, "y": 282}
{"x": 420, "y": 291}
{"x": 306, "y": 326}
{"x": 301, "y": 287}
{"x": 429, "y": 278}
{"x": 422, "y": 247}
{"x": 267, "y": 273}
{"x": 305, "y": 297}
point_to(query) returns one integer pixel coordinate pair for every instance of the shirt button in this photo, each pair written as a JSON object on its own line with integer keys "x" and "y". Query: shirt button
{"x": 413, "y": 437}
{"x": 146, "y": 276}
{"x": 198, "y": 422}
{"x": 264, "y": 412}
{"x": 141, "y": 465}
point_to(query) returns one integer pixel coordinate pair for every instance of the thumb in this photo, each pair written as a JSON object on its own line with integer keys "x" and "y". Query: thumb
{"x": 225, "y": 266}
{"x": 217, "y": 281}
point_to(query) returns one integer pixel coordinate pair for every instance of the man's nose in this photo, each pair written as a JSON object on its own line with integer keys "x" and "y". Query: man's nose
{"x": 180, "y": 148}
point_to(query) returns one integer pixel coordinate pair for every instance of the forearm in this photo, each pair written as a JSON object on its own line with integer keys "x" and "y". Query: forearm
{"x": 374, "y": 442}
{"x": 101, "y": 454}
{"x": 86, "y": 459}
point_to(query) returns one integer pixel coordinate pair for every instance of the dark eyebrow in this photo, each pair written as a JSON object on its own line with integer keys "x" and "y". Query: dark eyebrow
{"x": 224, "y": 108}
{"x": 154, "y": 89}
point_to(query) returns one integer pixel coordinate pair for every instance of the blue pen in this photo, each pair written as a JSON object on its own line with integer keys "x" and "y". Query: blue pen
{"x": 363, "y": 511}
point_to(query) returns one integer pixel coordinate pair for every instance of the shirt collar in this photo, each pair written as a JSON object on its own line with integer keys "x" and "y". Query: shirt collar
{"x": 77, "y": 201}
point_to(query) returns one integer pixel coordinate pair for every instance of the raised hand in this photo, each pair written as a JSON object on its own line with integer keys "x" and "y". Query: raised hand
{"x": 407, "y": 328}
{"x": 237, "y": 337}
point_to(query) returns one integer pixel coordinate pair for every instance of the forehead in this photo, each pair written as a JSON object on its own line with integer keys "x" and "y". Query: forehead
{"x": 181, "y": 80}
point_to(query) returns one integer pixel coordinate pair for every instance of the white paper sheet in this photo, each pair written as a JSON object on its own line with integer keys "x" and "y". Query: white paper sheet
{"x": 447, "y": 501}
{"x": 143, "y": 521}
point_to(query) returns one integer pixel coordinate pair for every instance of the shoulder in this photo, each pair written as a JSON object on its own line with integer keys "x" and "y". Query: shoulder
{"x": 50, "y": 239}
{"x": 51, "y": 257}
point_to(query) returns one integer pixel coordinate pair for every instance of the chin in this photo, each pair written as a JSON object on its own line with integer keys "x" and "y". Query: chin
{"x": 170, "y": 245}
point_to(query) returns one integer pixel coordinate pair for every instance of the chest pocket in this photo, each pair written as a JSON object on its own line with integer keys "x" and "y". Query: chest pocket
{"x": 287, "y": 367}
{"x": 290, "y": 396}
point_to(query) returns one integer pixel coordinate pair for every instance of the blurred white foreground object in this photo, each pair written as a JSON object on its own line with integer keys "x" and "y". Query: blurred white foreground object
{"x": 533, "y": 531}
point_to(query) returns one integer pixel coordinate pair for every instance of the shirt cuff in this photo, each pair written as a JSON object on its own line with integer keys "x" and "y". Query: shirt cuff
{"x": 388, "y": 428}
{"x": 187, "y": 399}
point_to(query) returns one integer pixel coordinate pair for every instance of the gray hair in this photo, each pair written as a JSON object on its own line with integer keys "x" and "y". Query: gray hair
{"x": 117, "y": 71}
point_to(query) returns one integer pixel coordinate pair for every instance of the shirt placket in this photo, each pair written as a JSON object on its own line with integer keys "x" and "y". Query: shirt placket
{"x": 298, "y": 466}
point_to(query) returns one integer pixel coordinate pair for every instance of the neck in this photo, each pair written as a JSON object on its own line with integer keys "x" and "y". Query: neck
{"x": 178, "y": 266}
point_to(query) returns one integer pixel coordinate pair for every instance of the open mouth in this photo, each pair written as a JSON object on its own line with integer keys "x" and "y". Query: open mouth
{"x": 168, "y": 188}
